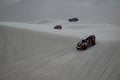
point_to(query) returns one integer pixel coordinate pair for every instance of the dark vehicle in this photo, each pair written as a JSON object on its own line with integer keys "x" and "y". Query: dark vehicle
{"x": 82, "y": 45}
{"x": 73, "y": 20}
{"x": 85, "y": 43}
{"x": 58, "y": 27}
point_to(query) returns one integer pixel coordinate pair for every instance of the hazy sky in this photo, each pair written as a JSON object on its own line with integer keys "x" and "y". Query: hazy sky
{"x": 4, "y": 3}
{"x": 107, "y": 11}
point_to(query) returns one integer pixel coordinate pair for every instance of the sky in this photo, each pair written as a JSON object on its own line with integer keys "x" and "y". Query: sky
{"x": 105, "y": 11}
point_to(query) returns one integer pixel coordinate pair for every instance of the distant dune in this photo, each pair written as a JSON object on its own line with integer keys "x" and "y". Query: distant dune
{"x": 32, "y": 11}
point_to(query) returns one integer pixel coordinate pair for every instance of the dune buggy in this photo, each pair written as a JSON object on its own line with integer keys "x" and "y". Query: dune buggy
{"x": 58, "y": 27}
{"x": 73, "y": 20}
{"x": 85, "y": 43}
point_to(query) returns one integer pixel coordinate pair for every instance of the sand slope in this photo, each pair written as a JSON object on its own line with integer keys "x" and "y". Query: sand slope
{"x": 37, "y": 52}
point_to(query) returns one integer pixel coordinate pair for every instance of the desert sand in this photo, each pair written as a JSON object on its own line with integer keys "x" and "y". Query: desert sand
{"x": 39, "y": 52}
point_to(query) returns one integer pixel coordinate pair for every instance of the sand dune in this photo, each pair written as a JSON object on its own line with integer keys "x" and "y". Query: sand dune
{"x": 37, "y": 52}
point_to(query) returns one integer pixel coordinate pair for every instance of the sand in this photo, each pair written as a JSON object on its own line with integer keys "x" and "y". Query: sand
{"x": 38, "y": 52}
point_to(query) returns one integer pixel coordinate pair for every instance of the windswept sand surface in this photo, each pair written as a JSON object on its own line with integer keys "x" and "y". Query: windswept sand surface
{"x": 38, "y": 52}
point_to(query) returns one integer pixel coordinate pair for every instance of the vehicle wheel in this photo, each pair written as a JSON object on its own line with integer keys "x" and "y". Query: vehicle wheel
{"x": 93, "y": 44}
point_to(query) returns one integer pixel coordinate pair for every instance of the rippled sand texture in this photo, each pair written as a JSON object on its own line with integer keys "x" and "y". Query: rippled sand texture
{"x": 27, "y": 54}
